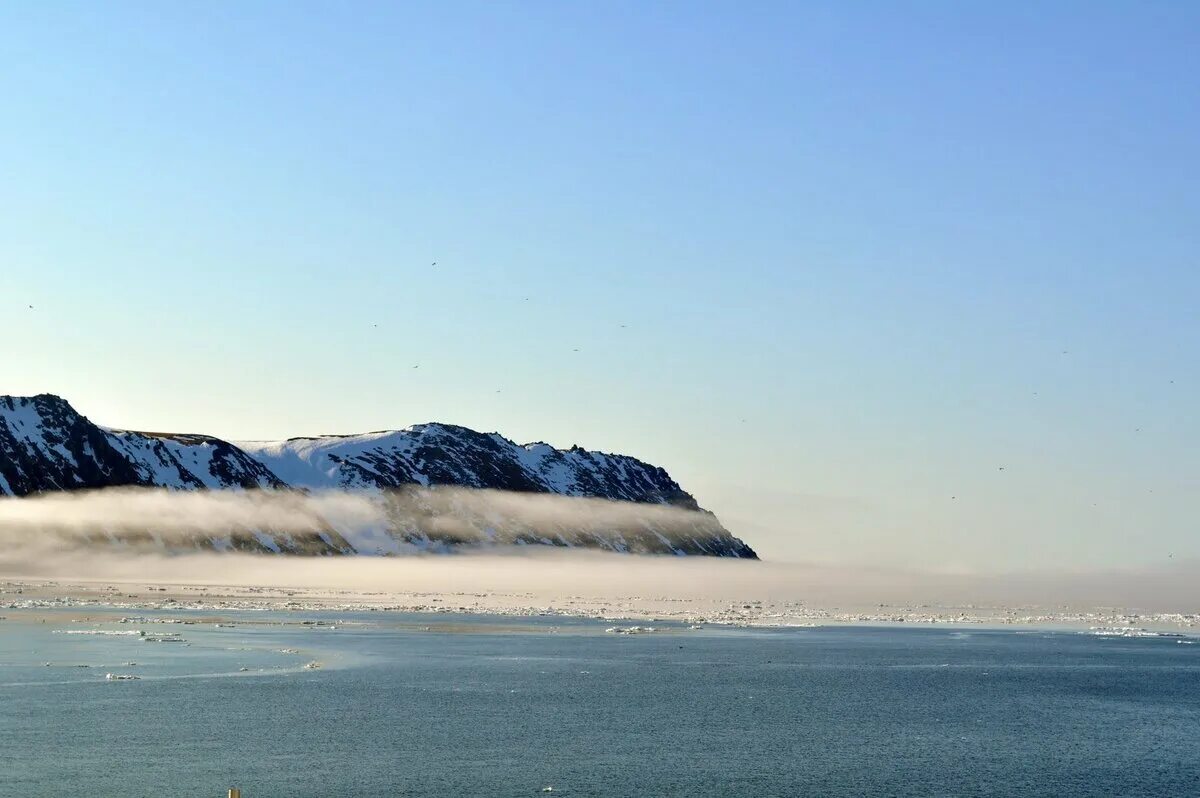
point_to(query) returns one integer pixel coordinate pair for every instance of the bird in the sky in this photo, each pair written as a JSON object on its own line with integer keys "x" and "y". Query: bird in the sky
{"x": 417, "y": 366}
{"x": 574, "y": 350}
{"x": 31, "y": 307}
{"x": 1001, "y": 468}
{"x": 434, "y": 263}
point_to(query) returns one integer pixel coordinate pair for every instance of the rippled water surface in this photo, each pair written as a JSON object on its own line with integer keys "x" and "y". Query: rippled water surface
{"x": 406, "y": 705}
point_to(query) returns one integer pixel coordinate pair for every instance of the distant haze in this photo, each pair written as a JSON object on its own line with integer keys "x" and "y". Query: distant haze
{"x": 44, "y": 536}
{"x": 548, "y": 573}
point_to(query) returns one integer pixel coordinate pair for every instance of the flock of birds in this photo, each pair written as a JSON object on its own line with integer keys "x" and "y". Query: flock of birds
{"x": 743, "y": 421}
{"x": 526, "y": 299}
{"x": 576, "y": 349}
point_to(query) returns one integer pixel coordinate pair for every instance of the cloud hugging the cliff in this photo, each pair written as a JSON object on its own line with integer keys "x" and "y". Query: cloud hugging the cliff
{"x": 455, "y": 514}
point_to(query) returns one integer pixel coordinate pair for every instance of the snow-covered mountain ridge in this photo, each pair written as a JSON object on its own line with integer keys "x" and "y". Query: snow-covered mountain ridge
{"x": 47, "y": 446}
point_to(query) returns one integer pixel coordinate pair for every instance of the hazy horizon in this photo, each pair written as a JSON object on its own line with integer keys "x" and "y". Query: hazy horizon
{"x": 51, "y": 535}
{"x": 553, "y": 573}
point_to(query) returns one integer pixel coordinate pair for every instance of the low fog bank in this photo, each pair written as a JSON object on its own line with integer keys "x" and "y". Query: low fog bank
{"x": 449, "y": 515}
{"x": 554, "y": 573}
{"x": 51, "y": 518}
{"x": 45, "y": 537}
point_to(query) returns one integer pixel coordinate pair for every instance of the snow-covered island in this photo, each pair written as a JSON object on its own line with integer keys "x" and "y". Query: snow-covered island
{"x": 434, "y": 487}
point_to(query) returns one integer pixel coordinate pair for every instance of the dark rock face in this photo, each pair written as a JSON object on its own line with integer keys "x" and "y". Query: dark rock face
{"x": 45, "y": 445}
{"x": 71, "y": 453}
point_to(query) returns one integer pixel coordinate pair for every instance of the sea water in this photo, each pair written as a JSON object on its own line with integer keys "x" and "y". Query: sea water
{"x": 409, "y": 705}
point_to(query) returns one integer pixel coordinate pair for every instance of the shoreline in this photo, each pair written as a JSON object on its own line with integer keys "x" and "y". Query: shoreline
{"x": 21, "y": 594}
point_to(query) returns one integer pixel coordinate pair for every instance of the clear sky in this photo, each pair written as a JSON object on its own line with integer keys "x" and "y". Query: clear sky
{"x": 833, "y": 265}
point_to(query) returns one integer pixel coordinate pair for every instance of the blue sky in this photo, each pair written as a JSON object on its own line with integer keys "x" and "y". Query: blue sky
{"x": 850, "y": 246}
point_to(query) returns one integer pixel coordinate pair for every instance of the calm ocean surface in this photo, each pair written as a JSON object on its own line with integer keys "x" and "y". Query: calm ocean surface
{"x": 407, "y": 705}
